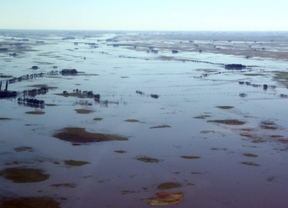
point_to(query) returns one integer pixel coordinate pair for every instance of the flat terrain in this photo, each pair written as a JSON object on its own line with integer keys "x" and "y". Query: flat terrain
{"x": 143, "y": 118}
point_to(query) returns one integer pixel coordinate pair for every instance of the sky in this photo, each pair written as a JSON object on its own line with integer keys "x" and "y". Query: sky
{"x": 159, "y": 15}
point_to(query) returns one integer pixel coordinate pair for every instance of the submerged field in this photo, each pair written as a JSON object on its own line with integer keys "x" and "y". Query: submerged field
{"x": 138, "y": 125}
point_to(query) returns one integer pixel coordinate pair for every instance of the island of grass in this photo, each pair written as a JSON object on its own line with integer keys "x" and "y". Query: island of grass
{"x": 31, "y": 202}
{"x": 80, "y": 135}
{"x": 75, "y": 162}
{"x": 169, "y": 185}
{"x": 84, "y": 111}
{"x": 191, "y": 157}
{"x": 132, "y": 120}
{"x": 148, "y": 159}
{"x": 228, "y": 122}
{"x": 24, "y": 175}
{"x": 160, "y": 127}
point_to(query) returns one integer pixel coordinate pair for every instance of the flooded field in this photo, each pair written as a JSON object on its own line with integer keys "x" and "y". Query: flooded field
{"x": 116, "y": 119}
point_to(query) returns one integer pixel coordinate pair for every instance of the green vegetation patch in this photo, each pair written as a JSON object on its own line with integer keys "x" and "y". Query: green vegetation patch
{"x": 42, "y": 85}
{"x": 51, "y": 105}
{"x": 80, "y": 135}
{"x": 4, "y": 119}
{"x": 148, "y": 159}
{"x": 120, "y": 151}
{"x": 160, "y": 127}
{"x": 254, "y": 74}
{"x": 65, "y": 185}
{"x": 75, "y": 162}
{"x": 72, "y": 94}
{"x": 35, "y": 112}
{"x": 202, "y": 117}
{"x": 168, "y": 185}
{"x": 281, "y": 77}
{"x": 24, "y": 175}
{"x": 228, "y": 122}
{"x": 32, "y": 202}
{"x": 132, "y": 120}
{"x": 250, "y": 163}
{"x": 98, "y": 119}
{"x": 250, "y": 155}
{"x": 269, "y": 125}
{"x": 191, "y": 157}
{"x": 225, "y": 107}
{"x": 23, "y": 148}
{"x": 84, "y": 111}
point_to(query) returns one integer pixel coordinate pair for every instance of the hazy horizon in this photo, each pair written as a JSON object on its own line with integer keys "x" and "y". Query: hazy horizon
{"x": 148, "y": 15}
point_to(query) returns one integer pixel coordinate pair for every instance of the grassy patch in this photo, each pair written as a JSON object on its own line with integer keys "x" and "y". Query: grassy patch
{"x": 83, "y": 111}
{"x": 250, "y": 155}
{"x": 79, "y": 135}
{"x": 120, "y": 151}
{"x": 168, "y": 185}
{"x": 202, "y": 116}
{"x": 148, "y": 159}
{"x": 50, "y": 105}
{"x": 65, "y": 185}
{"x": 191, "y": 157}
{"x": 132, "y": 120}
{"x": 24, "y": 175}
{"x": 42, "y": 85}
{"x": 75, "y": 162}
{"x": 98, "y": 119}
{"x": 269, "y": 125}
{"x": 72, "y": 94}
{"x": 250, "y": 163}
{"x": 32, "y": 202}
{"x": 35, "y": 112}
{"x": 160, "y": 127}
{"x": 253, "y": 75}
{"x": 225, "y": 107}
{"x": 281, "y": 77}
{"x": 228, "y": 122}
{"x": 23, "y": 149}
{"x": 4, "y": 119}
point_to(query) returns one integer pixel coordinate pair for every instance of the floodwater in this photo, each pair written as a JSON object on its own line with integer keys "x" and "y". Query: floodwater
{"x": 225, "y": 143}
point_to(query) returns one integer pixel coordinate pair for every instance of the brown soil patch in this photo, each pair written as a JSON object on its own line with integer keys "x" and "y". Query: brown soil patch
{"x": 79, "y": 135}
{"x": 228, "y": 122}
{"x": 24, "y": 175}
{"x": 33, "y": 202}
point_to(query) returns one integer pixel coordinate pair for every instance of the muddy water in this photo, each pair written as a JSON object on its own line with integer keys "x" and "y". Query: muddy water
{"x": 170, "y": 130}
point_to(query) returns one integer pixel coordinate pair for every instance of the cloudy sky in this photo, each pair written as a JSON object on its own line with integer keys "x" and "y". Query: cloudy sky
{"x": 184, "y": 15}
